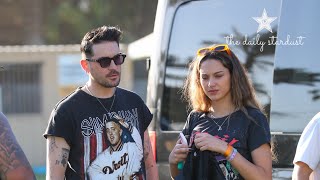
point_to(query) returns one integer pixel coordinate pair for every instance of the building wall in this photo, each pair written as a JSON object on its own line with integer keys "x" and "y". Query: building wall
{"x": 28, "y": 128}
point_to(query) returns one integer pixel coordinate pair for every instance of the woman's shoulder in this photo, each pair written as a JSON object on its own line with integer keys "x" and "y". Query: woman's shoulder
{"x": 255, "y": 112}
{"x": 196, "y": 114}
{"x": 258, "y": 116}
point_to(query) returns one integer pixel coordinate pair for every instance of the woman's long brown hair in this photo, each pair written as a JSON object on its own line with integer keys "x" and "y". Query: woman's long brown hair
{"x": 242, "y": 91}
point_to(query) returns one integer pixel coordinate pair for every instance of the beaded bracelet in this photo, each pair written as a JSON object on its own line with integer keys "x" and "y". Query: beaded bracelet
{"x": 228, "y": 151}
{"x": 233, "y": 155}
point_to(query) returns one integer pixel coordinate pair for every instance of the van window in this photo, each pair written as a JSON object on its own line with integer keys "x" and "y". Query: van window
{"x": 296, "y": 91}
{"x": 202, "y": 23}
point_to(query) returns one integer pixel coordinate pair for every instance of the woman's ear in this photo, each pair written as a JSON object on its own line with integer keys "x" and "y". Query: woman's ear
{"x": 85, "y": 66}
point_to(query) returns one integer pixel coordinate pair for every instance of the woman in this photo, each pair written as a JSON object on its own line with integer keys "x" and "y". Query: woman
{"x": 226, "y": 118}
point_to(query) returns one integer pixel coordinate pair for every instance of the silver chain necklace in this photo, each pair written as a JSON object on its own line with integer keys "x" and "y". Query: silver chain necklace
{"x": 114, "y": 96}
{"x": 220, "y": 126}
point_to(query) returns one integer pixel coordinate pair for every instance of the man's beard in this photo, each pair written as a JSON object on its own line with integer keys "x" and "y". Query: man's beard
{"x": 111, "y": 84}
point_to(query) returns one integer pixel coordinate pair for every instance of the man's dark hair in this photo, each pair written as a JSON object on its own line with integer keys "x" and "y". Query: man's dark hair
{"x": 98, "y": 35}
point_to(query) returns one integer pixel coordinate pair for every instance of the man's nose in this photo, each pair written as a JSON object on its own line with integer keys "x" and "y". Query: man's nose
{"x": 112, "y": 64}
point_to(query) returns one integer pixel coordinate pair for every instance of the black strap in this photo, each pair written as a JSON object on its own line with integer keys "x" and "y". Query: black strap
{"x": 200, "y": 165}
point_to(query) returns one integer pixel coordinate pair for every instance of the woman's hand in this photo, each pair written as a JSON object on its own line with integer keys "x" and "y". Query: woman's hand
{"x": 179, "y": 153}
{"x": 205, "y": 141}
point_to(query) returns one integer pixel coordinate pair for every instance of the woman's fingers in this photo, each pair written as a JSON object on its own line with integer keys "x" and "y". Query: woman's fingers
{"x": 180, "y": 156}
{"x": 181, "y": 149}
{"x": 181, "y": 152}
{"x": 201, "y": 137}
{"x": 204, "y": 147}
{"x": 179, "y": 141}
{"x": 203, "y": 141}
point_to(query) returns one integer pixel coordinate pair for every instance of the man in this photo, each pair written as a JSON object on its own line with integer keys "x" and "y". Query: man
{"x": 76, "y": 130}
{"x": 307, "y": 159}
{"x": 120, "y": 159}
{"x": 13, "y": 162}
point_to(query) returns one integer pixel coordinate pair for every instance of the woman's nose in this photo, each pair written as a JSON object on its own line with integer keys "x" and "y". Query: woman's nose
{"x": 211, "y": 83}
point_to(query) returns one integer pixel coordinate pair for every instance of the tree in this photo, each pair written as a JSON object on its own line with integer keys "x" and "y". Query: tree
{"x": 67, "y": 21}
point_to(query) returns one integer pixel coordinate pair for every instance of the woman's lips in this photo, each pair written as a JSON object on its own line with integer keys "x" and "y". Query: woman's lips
{"x": 213, "y": 91}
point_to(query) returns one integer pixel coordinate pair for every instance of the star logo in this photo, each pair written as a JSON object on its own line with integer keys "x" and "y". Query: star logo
{"x": 264, "y": 21}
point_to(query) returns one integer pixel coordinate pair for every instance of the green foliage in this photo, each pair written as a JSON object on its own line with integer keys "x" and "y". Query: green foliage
{"x": 67, "y": 21}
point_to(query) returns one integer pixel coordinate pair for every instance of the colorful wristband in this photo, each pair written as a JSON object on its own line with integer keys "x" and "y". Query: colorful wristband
{"x": 228, "y": 151}
{"x": 233, "y": 155}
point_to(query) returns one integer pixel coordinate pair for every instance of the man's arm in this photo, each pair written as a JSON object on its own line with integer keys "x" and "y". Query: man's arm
{"x": 151, "y": 166}
{"x": 57, "y": 157}
{"x": 301, "y": 171}
{"x": 13, "y": 162}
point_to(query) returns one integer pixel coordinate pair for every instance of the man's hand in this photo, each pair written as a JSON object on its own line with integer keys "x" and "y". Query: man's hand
{"x": 124, "y": 123}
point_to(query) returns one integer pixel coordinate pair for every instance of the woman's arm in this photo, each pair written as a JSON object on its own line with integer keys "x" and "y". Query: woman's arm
{"x": 261, "y": 168}
{"x": 178, "y": 154}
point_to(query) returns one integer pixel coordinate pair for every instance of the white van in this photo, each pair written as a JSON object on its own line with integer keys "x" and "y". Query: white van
{"x": 276, "y": 40}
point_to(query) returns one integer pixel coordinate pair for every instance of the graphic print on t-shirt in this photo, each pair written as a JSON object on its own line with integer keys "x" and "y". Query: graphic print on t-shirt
{"x": 112, "y": 146}
{"x": 228, "y": 171}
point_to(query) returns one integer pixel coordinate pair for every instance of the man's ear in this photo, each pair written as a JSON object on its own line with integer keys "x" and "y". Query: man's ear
{"x": 85, "y": 66}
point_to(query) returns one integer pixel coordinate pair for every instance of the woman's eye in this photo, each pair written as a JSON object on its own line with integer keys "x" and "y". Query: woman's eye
{"x": 204, "y": 77}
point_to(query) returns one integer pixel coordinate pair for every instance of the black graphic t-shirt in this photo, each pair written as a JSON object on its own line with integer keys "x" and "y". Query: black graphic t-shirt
{"x": 102, "y": 145}
{"x": 238, "y": 130}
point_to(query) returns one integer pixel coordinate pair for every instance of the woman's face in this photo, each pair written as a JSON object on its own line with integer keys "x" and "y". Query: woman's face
{"x": 215, "y": 80}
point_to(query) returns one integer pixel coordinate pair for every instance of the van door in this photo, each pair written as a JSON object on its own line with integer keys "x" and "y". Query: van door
{"x": 181, "y": 29}
{"x": 296, "y": 88}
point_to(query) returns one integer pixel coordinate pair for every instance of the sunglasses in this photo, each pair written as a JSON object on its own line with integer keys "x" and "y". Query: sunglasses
{"x": 106, "y": 61}
{"x": 218, "y": 48}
